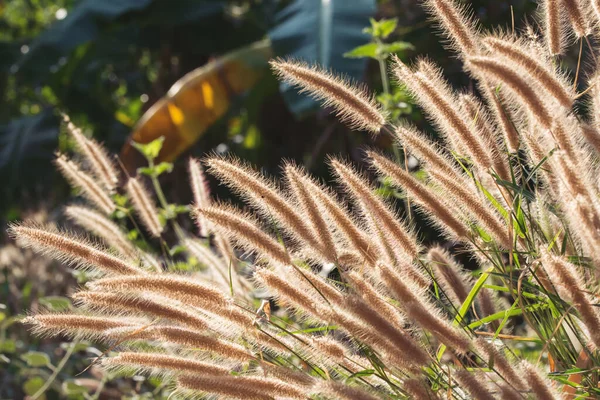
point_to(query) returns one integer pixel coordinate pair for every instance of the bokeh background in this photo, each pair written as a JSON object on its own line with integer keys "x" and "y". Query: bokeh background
{"x": 195, "y": 72}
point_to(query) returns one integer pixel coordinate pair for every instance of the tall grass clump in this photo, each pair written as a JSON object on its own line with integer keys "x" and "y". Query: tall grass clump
{"x": 366, "y": 309}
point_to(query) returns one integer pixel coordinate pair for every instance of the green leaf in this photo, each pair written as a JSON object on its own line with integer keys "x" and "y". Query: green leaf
{"x": 359, "y": 374}
{"x": 56, "y": 303}
{"x": 366, "y": 50}
{"x": 163, "y": 167}
{"x": 467, "y": 304}
{"x": 156, "y": 170}
{"x": 32, "y": 385}
{"x": 396, "y": 47}
{"x": 36, "y": 359}
{"x": 385, "y": 27}
{"x": 71, "y": 388}
{"x": 177, "y": 249}
{"x": 150, "y": 150}
{"x": 8, "y": 346}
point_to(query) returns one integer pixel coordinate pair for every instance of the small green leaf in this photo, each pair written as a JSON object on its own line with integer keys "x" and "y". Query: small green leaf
{"x": 176, "y": 250}
{"x": 386, "y": 27}
{"x": 360, "y": 374}
{"x": 396, "y": 47}
{"x": 381, "y": 29}
{"x": 366, "y": 50}
{"x": 56, "y": 303}
{"x": 71, "y": 388}
{"x": 157, "y": 170}
{"x": 163, "y": 167}
{"x": 8, "y": 346}
{"x": 32, "y": 385}
{"x": 150, "y": 150}
{"x": 36, "y": 359}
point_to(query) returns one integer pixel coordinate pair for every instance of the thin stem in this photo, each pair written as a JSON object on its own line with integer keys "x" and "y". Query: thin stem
{"x": 163, "y": 200}
{"x": 56, "y": 371}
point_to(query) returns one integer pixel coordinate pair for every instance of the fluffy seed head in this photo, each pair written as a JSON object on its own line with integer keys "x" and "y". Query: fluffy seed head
{"x": 242, "y": 387}
{"x": 102, "y": 166}
{"x": 394, "y": 234}
{"x": 245, "y": 231}
{"x": 457, "y": 26}
{"x": 104, "y": 228}
{"x": 265, "y": 196}
{"x": 144, "y": 206}
{"x": 200, "y": 191}
{"x": 89, "y": 188}
{"x": 119, "y": 303}
{"x": 352, "y": 104}
{"x": 65, "y": 247}
{"x": 537, "y": 68}
{"x": 421, "y": 194}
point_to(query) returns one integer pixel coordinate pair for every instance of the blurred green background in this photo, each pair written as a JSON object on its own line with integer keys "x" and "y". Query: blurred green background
{"x": 107, "y": 63}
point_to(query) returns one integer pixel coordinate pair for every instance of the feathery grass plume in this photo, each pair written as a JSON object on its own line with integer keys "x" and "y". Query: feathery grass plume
{"x": 507, "y": 392}
{"x": 450, "y": 276}
{"x": 487, "y": 301}
{"x": 197, "y": 341}
{"x": 330, "y": 347}
{"x": 200, "y": 191}
{"x": 245, "y": 231}
{"x": 89, "y": 188}
{"x": 570, "y": 285}
{"x": 144, "y": 207}
{"x": 242, "y": 387}
{"x": 497, "y": 70}
{"x": 215, "y": 264}
{"x": 473, "y": 383}
{"x": 498, "y": 361}
{"x": 310, "y": 208}
{"x": 314, "y": 282}
{"x": 288, "y": 375}
{"x": 343, "y": 391}
{"x": 352, "y": 103}
{"x": 501, "y": 115}
{"x": 481, "y": 122}
{"x": 65, "y": 247}
{"x": 438, "y": 211}
{"x": 265, "y": 196}
{"x": 104, "y": 228}
{"x": 177, "y": 287}
{"x": 141, "y": 305}
{"x": 583, "y": 221}
{"x": 394, "y": 234}
{"x": 391, "y": 352}
{"x": 478, "y": 208}
{"x": 292, "y": 294}
{"x": 456, "y": 23}
{"x": 538, "y": 69}
{"x": 579, "y": 23}
{"x": 553, "y": 26}
{"x": 376, "y": 300}
{"x": 420, "y": 311}
{"x": 436, "y": 97}
{"x": 591, "y": 136}
{"x": 160, "y": 362}
{"x": 405, "y": 343}
{"x": 427, "y": 151}
{"x": 102, "y": 166}
{"x": 539, "y": 385}
{"x": 339, "y": 218}
{"x": 418, "y": 389}
{"x": 74, "y": 325}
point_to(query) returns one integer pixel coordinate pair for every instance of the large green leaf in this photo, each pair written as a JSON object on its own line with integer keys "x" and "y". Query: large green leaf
{"x": 321, "y": 31}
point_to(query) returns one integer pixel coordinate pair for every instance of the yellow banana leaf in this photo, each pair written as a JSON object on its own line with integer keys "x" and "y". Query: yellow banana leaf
{"x": 196, "y": 101}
